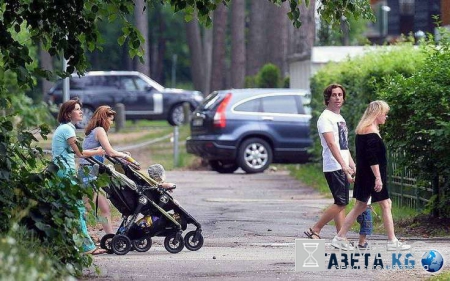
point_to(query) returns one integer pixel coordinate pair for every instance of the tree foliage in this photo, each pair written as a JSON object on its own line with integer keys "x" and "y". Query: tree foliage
{"x": 66, "y": 29}
{"x": 414, "y": 80}
{"x": 70, "y": 27}
{"x": 419, "y": 123}
{"x": 361, "y": 77}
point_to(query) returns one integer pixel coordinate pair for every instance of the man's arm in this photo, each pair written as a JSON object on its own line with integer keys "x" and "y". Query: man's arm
{"x": 329, "y": 139}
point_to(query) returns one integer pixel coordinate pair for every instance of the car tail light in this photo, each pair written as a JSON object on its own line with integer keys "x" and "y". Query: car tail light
{"x": 219, "y": 117}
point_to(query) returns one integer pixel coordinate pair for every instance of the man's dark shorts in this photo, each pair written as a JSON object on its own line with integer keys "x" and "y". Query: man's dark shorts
{"x": 339, "y": 186}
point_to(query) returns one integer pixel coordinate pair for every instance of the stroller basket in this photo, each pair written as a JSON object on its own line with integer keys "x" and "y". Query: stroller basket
{"x": 122, "y": 197}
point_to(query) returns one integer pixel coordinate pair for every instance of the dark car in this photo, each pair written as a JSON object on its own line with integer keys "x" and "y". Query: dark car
{"x": 251, "y": 128}
{"x": 143, "y": 98}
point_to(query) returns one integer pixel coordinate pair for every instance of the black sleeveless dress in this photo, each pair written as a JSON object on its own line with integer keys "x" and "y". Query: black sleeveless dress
{"x": 370, "y": 150}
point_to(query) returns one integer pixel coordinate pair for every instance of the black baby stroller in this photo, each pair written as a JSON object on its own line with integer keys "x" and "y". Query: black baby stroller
{"x": 147, "y": 209}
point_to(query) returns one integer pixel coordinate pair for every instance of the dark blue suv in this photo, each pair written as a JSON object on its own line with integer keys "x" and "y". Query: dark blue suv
{"x": 251, "y": 128}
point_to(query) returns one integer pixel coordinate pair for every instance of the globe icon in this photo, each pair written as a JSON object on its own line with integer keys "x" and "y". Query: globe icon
{"x": 432, "y": 261}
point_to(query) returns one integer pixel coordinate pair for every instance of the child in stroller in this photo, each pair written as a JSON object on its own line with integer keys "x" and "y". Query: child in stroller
{"x": 148, "y": 210}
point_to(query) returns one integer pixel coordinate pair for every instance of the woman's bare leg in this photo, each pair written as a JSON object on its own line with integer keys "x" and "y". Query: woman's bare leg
{"x": 105, "y": 211}
{"x": 388, "y": 222}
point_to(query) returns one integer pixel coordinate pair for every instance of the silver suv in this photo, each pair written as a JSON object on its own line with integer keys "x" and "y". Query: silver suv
{"x": 143, "y": 98}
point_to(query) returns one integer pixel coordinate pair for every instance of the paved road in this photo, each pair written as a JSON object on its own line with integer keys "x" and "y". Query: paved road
{"x": 250, "y": 223}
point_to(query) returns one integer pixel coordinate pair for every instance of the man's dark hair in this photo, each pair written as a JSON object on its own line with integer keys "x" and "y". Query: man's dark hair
{"x": 329, "y": 89}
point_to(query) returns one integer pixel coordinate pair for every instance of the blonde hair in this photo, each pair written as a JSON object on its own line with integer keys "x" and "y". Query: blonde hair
{"x": 374, "y": 109}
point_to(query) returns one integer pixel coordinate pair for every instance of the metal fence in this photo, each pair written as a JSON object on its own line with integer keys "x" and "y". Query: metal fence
{"x": 403, "y": 187}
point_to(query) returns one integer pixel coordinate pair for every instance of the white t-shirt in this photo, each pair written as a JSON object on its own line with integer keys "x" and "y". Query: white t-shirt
{"x": 332, "y": 122}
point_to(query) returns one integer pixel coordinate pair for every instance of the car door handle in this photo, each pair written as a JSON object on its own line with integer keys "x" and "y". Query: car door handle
{"x": 267, "y": 118}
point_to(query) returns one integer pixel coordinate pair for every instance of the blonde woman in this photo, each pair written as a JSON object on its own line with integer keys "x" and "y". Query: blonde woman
{"x": 96, "y": 135}
{"x": 371, "y": 176}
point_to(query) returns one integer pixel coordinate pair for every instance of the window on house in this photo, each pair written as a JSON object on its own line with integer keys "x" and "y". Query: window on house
{"x": 406, "y": 7}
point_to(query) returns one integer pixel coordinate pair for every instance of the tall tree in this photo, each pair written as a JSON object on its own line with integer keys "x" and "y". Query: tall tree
{"x": 196, "y": 53}
{"x": 301, "y": 40}
{"x": 141, "y": 18}
{"x": 72, "y": 26}
{"x": 256, "y": 38}
{"x": 276, "y": 35}
{"x": 218, "y": 54}
{"x": 237, "y": 68}
{"x": 157, "y": 42}
{"x": 207, "y": 51}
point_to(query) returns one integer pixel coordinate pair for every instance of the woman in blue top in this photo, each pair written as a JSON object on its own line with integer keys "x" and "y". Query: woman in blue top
{"x": 64, "y": 150}
{"x": 96, "y": 136}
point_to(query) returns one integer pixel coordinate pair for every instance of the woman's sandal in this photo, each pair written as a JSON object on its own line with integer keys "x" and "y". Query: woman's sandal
{"x": 311, "y": 234}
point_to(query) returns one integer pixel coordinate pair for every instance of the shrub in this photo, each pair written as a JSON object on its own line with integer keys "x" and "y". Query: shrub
{"x": 47, "y": 206}
{"x": 361, "y": 77}
{"x": 269, "y": 76}
{"x": 22, "y": 258}
{"x": 419, "y": 121}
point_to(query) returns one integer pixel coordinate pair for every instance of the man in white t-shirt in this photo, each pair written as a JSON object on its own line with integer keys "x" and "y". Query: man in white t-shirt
{"x": 338, "y": 164}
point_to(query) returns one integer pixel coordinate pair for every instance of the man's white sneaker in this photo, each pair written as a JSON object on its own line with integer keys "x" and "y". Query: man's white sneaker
{"x": 342, "y": 243}
{"x": 397, "y": 246}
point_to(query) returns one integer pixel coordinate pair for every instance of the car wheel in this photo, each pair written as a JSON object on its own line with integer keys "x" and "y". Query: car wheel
{"x": 223, "y": 167}
{"x": 88, "y": 112}
{"x": 176, "y": 115}
{"x": 255, "y": 155}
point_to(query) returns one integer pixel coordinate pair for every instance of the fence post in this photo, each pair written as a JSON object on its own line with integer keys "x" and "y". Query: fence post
{"x": 186, "y": 112}
{"x": 175, "y": 146}
{"x": 120, "y": 117}
{"x": 435, "y": 186}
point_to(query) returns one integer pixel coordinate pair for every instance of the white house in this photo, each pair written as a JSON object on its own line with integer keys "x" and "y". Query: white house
{"x": 301, "y": 71}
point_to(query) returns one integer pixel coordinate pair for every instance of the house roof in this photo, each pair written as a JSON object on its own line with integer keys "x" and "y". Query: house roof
{"x": 336, "y": 53}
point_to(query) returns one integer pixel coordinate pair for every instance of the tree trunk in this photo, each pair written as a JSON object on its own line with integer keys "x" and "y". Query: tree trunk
{"x": 301, "y": 40}
{"x": 218, "y": 55}
{"x": 46, "y": 63}
{"x": 276, "y": 36}
{"x": 207, "y": 53}
{"x": 237, "y": 44}
{"x": 196, "y": 54}
{"x": 256, "y": 40}
{"x": 141, "y": 18}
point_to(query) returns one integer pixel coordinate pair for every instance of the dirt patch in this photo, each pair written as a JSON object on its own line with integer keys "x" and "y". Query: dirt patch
{"x": 125, "y": 138}
{"x": 423, "y": 226}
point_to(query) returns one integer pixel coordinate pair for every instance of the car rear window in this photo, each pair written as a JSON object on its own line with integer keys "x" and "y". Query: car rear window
{"x": 211, "y": 101}
{"x": 280, "y": 104}
{"x": 249, "y": 106}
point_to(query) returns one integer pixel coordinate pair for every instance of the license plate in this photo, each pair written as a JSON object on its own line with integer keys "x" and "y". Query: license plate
{"x": 197, "y": 122}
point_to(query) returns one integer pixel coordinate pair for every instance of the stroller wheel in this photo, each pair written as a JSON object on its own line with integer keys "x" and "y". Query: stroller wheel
{"x": 191, "y": 243}
{"x": 143, "y": 244}
{"x": 121, "y": 244}
{"x": 105, "y": 242}
{"x": 172, "y": 244}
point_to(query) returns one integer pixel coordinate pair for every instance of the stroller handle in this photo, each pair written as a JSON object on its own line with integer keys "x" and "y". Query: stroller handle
{"x": 102, "y": 166}
{"x": 127, "y": 161}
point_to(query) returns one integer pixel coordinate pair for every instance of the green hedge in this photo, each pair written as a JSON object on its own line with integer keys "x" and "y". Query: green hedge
{"x": 361, "y": 77}
{"x": 415, "y": 81}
